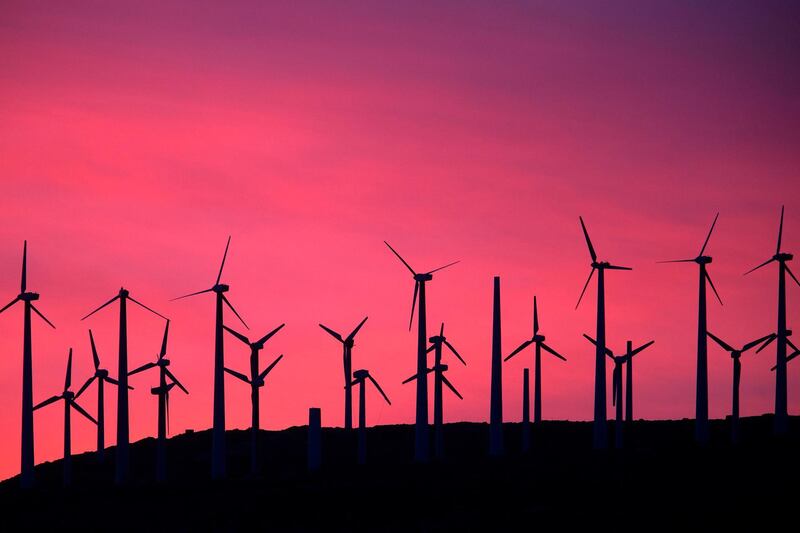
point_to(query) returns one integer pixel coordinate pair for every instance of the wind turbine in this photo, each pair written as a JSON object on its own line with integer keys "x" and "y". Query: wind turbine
{"x": 737, "y": 376}
{"x": 26, "y": 460}
{"x": 69, "y": 401}
{"x": 781, "y": 412}
{"x": 101, "y": 375}
{"x": 359, "y": 378}
{"x": 162, "y": 391}
{"x": 616, "y": 395}
{"x": 437, "y": 342}
{"x": 421, "y": 441}
{"x": 701, "y": 404}
{"x": 347, "y": 361}
{"x": 122, "y": 455}
{"x": 218, "y": 432}
{"x": 538, "y": 341}
{"x": 599, "y": 430}
{"x": 256, "y": 381}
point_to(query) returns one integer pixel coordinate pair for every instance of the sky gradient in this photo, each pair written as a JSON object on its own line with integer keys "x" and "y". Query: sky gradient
{"x": 136, "y": 138}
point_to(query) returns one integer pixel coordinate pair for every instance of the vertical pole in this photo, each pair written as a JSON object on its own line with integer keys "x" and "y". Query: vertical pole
{"x": 255, "y": 423}
{"x": 348, "y": 387}
{"x": 526, "y": 412}
{"x": 496, "y": 406}
{"x": 67, "y": 446}
{"x": 701, "y": 406}
{"x": 27, "y": 461}
{"x": 537, "y": 385}
{"x": 438, "y": 408}
{"x": 737, "y": 373}
{"x": 218, "y": 433}
{"x": 122, "y": 457}
{"x": 599, "y": 429}
{"x": 362, "y": 423}
{"x": 781, "y": 412}
{"x": 629, "y": 390}
{"x": 314, "y": 438}
{"x": 421, "y": 439}
{"x": 101, "y": 420}
{"x": 161, "y": 443}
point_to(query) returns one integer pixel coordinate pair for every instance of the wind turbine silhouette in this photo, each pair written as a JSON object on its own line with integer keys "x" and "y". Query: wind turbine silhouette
{"x": 27, "y": 461}
{"x": 256, "y": 381}
{"x": 437, "y": 342}
{"x": 737, "y": 376}
{"x": 218, "y": 432}
{"x": 122, "y": 455}
{"x": 421, "y": 441}
{"x": 538, "y": 341}
{"x": 101, "y": 375}
{"x": 69, "y": 401}
{"x": 781, "y": 412}
{"x": 162, "y": 392}
{"x": 616, "y": 395}
{"x": 599, "y": 430}
{"x": 347, "y": 362}
{"x": 359, "y": 378}
{"x": 701, "y": 404}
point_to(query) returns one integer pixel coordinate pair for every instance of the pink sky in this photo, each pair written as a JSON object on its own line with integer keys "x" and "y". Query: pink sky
{"x": 136, "y": 139}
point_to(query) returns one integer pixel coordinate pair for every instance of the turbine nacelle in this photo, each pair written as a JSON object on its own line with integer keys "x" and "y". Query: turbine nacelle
{"x": 437, "y": 339}
{"x": 28, "y": 296}
{"x": 440, "y": 368}
{"x": 68, "y": 395}
{"x": 538, "y": 338}
{"x": 419, "y": 278}
{"x": 359, "y": 375}
{"x": 163, "y": 362}
{"x": 703, "y": 260}
{"x": 782, "y": 257}
{"x": 220, "y": 288}
{"x": 259, "y": 382}
{"x": 101, "y": 373}
{"x": 123, "y": 293}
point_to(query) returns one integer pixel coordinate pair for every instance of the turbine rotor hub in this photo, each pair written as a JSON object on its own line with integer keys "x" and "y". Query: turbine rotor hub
{"x": 68, "y": 395}
{"x": 123, "y": 293}
{"x": 360, "y": 374}
{"x": 783, "y": 256}
{"x": 436, "y": 339}
{"x": 423, "y": 277}
{"x": 29, "y": 296}
{"x": 538, "y": 338}
{"x": 220, "y": 288}
{"x": 101, "y": 373}
{"x": 702, "y": 260}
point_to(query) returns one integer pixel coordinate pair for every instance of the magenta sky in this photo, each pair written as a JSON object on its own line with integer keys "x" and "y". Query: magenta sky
{"x": 135, "y": 139}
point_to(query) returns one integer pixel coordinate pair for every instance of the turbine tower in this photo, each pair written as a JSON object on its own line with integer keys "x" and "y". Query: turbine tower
{"x": 122, "y": 455}
{"x": 26, "y": 461}
{"x": 737, "y": 376}
{"x": 347, "y": 362}
{"x": 781, "y": 411}
{"x": 437, "y": 342}
{"x": 101, "y": 375}
{"x": 701, "y": 404}
{"x": 538, "y": 341}
{"x": 599, "y": 429}
{"x": 218, "y": 432}
{"x": 359, "y": 378}
{"x": 69, "y": 402}
{"x": 162, "y": 392}
{"x": 421, "y": 440}
{"x": 256, "y": 381}
{"x": 616, "y": 395}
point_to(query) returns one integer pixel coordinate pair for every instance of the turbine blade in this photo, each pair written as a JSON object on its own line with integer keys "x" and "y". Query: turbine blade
{"x": 441, "y": 330}
{"x": 641, "y": 348}
{"x": 584, "y": 288}
{"x": 409, "y": 380}
{"x": 455, "y": 352}
{"x": 451, "y": 387}
{"x": 175, "y": 380}
{"x": 615, "y": 267}
{"x": 358, "y": 327}
{"x": 771, "y": 338}
{"x": 42, "y": 316}
{"x": 754, "y": 343}
{"x": 608, "y": 351}
{"x": 112, "y": 300}
{"x": 68, "y": 380}
{"x": 519, "y": 349}
{"x": 588, "y": 240}
{"x": 237, "y": 375}
{"x": 400, "y": 258}
{"x": 535, "y": 317}
{"x": 224, "y": 256}
{"x": 237, "y": 335}
{"x": 713, "y": 288}
{"x": 765, "y": 263}
{"x": 81, "y": 411}
{"x": 780, "y": 233}
{"x": 12, "y": 302}
{"x": 379, "y": 389}
{"x": 23, "y": 284}
{"x": 94, "y": 351}
{"x": 269, "y": 335}
{"x": 191, "y": 294}
{"x": 163, "y": 351}
{"x": 552, "y": 351}
{"x": 443, "y": 267}
{"x": 142, "y": 368}
{"x": 84, "y": 386}
{"x": 703, "y": 249}
{"x": 677, "y": 261}
{"x": 225, "y": 299}
{"x": 48, "y": 401}
{"x": 789, "y": 270}
{"x": 725, "y": 345}
{"x": 413, "y": 304}
{"x": 114, "y": 381}
{"x": 140, "y": 304}
{"x": 270, "y": 367}
{"x": 790, "y": 343}
{"x": 332, "y": 333}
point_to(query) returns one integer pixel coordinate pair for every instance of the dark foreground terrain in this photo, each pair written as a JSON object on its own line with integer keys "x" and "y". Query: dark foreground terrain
{"x": 661, "y": 478}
